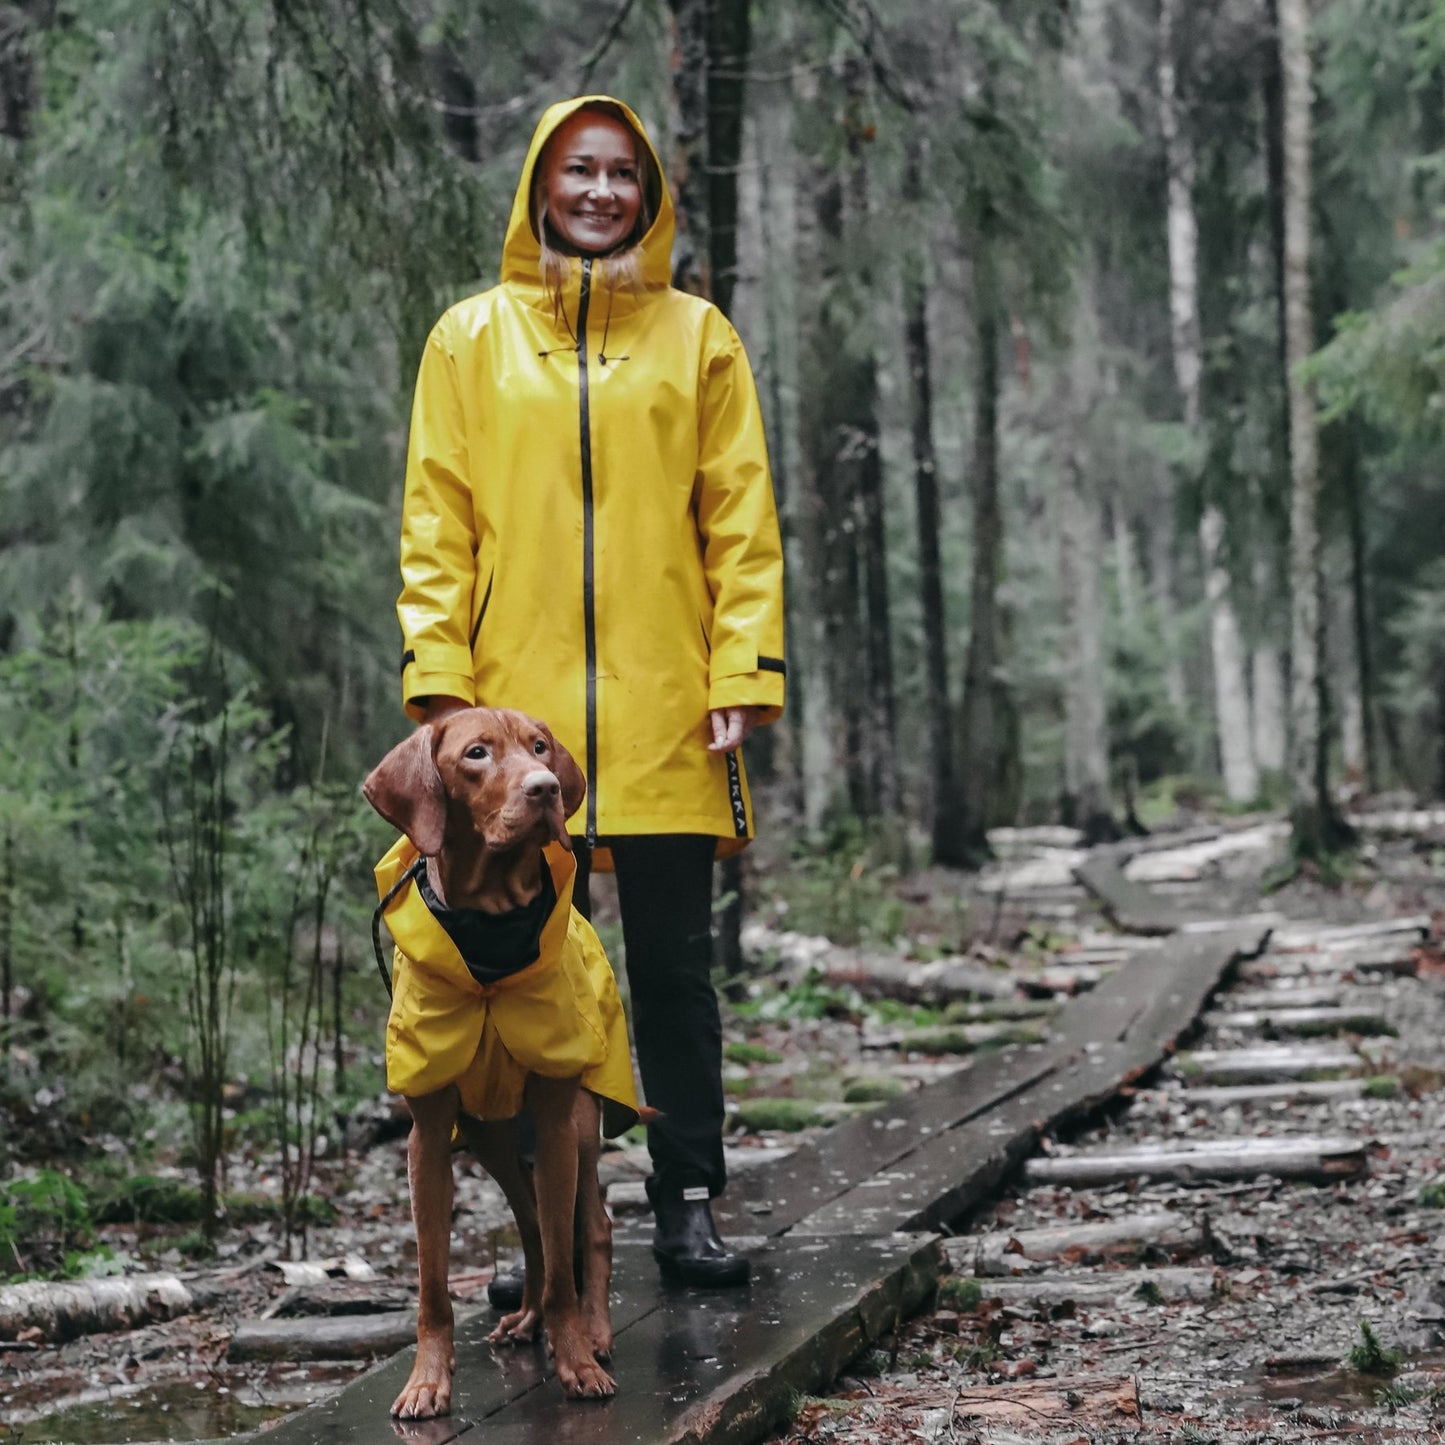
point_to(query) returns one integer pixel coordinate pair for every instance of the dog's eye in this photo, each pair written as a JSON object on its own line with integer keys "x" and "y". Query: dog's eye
{"x": 476, "y": 752}
{"x": 540, "y": 746}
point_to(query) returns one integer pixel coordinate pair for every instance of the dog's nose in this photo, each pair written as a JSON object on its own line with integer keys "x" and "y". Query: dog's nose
{"x": 541, "y": 786}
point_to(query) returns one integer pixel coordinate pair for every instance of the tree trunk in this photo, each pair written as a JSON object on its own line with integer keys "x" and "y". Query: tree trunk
{"x": 1087, "y": 803}
{"x": 1360, "y": 608}
{"x": 1312, "y": 815}
{"x": 943, "y": 786}
{"x": 860, "y": 451}
{"x": 1231, "y": 689}
{"x": 712, "y": 45}
{"x": 981, "y": 753}
{"x": 688, "y": 168}
{"x": 729, "y": 45}
{"x": 827, "y": 505}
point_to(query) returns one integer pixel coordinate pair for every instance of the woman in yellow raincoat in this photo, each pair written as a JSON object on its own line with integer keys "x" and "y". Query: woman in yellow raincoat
{"x": 589, "y": 535}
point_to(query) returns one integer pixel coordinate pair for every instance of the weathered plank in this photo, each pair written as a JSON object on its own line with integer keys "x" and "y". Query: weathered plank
{"x": 1290, "y": 1157}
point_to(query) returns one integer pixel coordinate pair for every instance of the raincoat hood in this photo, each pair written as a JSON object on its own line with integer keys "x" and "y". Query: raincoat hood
{"x": 522, "y": 253}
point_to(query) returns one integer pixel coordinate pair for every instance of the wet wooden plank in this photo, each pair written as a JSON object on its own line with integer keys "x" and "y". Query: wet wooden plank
{"x": 692, "y": 1365}
{"x": 1304, "y": 1022}
{"x": 1130, "y": 905}
{"x": 1111, "y": 1037}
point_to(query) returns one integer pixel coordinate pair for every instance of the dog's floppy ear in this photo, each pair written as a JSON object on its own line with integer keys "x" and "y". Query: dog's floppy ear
{"x": 406, "y": 789}
{"x": 574, "y": 785}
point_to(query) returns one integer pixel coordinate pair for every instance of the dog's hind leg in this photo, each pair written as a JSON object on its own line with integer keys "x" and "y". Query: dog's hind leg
{"x": 594, "y": 1228}
{"x": 494, "y": 1142}
{"x": 428, "y": 1390}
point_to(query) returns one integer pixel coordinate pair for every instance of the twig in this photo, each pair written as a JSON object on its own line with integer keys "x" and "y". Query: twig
{"x": 604, "y": 44}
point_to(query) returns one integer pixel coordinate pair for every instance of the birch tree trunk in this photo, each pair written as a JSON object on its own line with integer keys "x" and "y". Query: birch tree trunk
{"x": 1231, "y": 689}
{"x": 1315, "y": 827}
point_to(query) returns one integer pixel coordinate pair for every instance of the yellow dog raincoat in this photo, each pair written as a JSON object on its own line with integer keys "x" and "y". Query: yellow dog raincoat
{"x": 560, "y": 1017}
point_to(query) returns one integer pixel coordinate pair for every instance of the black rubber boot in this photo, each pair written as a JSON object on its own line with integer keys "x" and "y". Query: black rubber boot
{"x": 504, "y": 1291}
{"x": 686, "y": 1244}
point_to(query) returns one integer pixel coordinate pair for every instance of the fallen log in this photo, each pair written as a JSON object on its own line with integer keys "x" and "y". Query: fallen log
{"x": 1003, "y": 1254}
{"x": 1265, "y": 1064}
{"x": 302, "y": 1272}
{"x": 1401, "y": 962}
{"x": 1347, "y": 934}
{"x": 67, "y": 1308}
{"x": 1311, "y": 1091}
{"x": 1152, "y": 1286}
{"x": 340, "y": 1297}
{"x": 1326, "y": 995}
{"x": 1322, "y": 1160}
{"x": 343, "y": 1337}
{"x": 1033, "y": 1406}
{"x": 1304, "y": 1022}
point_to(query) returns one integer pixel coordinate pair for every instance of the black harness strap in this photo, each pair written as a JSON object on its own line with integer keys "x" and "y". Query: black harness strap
{"x": 415, "y": 871}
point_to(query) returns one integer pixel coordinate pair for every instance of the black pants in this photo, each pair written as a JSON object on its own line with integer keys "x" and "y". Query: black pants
{"x": 664, "y": 889}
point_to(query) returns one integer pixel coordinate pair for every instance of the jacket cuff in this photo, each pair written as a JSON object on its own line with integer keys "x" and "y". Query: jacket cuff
{"x": 440, "y": 672}
{"x": 763, "y": 689}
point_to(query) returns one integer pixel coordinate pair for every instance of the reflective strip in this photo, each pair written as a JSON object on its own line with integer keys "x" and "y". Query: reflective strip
{"x": 696, "y": 1193}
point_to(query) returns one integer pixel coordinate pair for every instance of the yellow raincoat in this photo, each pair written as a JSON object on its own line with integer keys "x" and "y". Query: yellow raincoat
{"x": 589, "y": 532}
{"x": 560, "y": 1017}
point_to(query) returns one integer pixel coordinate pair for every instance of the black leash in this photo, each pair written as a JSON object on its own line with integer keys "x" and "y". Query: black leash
{"x": 415, "y": 871}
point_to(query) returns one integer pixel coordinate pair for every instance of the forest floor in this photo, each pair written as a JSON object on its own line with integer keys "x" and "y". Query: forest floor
{"x": 806, "y": 1047}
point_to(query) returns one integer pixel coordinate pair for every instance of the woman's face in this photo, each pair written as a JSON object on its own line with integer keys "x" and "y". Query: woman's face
{"x": 591, "y": 181}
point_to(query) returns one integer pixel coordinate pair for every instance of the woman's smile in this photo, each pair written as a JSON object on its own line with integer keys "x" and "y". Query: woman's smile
{"x": 593, "y": 190}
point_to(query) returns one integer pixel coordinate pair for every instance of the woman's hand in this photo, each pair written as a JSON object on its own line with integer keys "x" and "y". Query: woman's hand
{"x": 440, "y": 707}
{"x": 730, "y": 725}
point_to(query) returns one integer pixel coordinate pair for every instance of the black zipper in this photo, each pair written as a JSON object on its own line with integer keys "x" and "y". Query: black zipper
{"x": 589, "y": 616}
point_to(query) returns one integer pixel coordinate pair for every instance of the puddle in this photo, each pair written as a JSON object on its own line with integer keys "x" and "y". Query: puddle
{"x": 1339, "y": 1388}
{"x": 208, "y": 1409}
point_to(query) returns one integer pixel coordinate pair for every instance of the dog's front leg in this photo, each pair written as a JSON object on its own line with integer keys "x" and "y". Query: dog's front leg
{"x": 428, "y": 1391}
{"x": 551, "y": 1102}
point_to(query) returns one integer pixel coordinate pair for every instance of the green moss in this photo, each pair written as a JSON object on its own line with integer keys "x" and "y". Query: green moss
{"x": 789, "y": 1115}
{"x": 960, "y": 1292}
{"x": 1432, "y": 1196}
{"x": 873, "y": 1089}
{"x": 742, "y": 1052}
{"x": 1382, "y": 1086}
{"x": 1150, "y": 1292}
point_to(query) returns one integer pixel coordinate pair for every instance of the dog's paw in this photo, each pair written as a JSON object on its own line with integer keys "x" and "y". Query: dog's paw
{"x": 585, "y": 1380}
{"x": 519, "y": 1328}
{"x": 428, "y": 1392}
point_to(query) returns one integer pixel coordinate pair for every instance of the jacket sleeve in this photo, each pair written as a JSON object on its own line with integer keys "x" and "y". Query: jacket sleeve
{"x": 438, "y": 537}
{"x": 738, "y": 523}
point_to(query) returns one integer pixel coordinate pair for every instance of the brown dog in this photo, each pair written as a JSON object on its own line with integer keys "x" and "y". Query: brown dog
{"x": 478, "y": 795}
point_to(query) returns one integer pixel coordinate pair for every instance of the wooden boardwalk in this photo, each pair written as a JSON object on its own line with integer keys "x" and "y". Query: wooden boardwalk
{"x": 834, "y": 1233}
